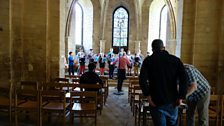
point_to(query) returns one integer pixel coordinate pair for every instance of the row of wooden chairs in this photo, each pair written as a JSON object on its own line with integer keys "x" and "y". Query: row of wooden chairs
{"x": 29, "y": 98}
{"x": 139, "y": 105}
{"x": 75, "y": 80}
{"x": 216, "y": 110}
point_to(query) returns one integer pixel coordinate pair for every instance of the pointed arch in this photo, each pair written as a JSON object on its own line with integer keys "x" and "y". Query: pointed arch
{"x": 120, "y": 28}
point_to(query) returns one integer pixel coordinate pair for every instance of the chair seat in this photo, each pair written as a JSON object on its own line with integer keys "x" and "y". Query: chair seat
{"x": 4, "y": 101}
{"x": 29, "y": 105}
{"x": 136, "y": 98}
{"x": 212, "y": 113}
{"x": 83, "y": 107}
{"x": 55, "y": 106}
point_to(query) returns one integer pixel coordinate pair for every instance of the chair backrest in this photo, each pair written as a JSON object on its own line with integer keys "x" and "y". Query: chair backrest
{"x": 89, "y": 87}
{"x": 29, "y": 85}
{"x": 27, "y": 94}
{"x": 214, "y": 105}
{"x": 137, "y": 90}
{"x": 52, "y": 95}
{"x": 76, "y": 80}
{"x": 133, "y": 82}
{"x": 61, "y": 80}
{"x": 84, "y": 96}
{"x": 57, "y": 86}
{"x": 72, "y": 76}
{"x": 132, "y": 78}
{"x": 4, "y": 92}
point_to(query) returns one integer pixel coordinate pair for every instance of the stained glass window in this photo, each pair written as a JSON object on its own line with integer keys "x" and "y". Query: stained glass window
{"x": 120, "y": 27}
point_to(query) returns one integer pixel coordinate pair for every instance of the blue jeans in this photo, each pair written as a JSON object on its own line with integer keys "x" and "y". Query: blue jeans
{"x": 165, "y": 115}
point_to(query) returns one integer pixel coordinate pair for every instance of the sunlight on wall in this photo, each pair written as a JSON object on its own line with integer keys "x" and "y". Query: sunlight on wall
{"x": 81, "y": 30}
{"x": 78, "y": 24}
{"x": 154, "y": 22}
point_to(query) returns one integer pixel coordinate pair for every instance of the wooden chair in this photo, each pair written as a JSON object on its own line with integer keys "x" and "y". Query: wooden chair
{"x": 28, "y": 85}
{"x": 85, "y": 107}
{"x": 222, "y": 111}
{"x": 139, "y": 107}
{"x": 57, "y": 86}
{"x": 135, "y": 97}
{"x": 26, "y": 99}
{"x": 72, "y": 76}
{"x": 26, "y": 102}
{"x": 76, "y": 80}
{"x": 61, "y": 80}
{"x": 6, "y": 101}
{"x": 98, "y": 89}
{"x": 53, "y": 101}
{"x": 132, "y": 83}
{"x": 214, "y": 108}
{"x": 105, "y": 88}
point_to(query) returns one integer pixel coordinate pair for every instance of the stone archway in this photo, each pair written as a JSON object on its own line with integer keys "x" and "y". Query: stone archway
{"x": 173, "y": 39}
{"x": 87, "y": 28}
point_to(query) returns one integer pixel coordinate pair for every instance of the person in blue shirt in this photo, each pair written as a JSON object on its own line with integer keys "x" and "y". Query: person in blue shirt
{"x": 110, "y": 53}
{"x": 71, "y": 63}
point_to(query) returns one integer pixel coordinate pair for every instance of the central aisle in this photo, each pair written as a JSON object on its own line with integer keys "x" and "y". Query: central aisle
{"x": 116, "y": 112}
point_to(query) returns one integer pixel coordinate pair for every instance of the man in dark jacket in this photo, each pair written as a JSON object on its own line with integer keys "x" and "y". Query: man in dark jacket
{"x": 90, "y": 77}
{"x": 163, "y": 80}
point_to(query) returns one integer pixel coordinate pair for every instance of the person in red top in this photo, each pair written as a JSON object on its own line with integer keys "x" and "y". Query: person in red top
{"x": 121, "y": 72}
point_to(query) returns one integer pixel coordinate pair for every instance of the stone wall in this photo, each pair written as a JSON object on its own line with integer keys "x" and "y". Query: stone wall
{"x": 200, "y": 41}
{"x": 32, "y": 32}
{"x": 5, "y": 41}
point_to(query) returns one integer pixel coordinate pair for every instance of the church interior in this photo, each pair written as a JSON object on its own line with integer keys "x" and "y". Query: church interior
{"x": 39, "y": 34}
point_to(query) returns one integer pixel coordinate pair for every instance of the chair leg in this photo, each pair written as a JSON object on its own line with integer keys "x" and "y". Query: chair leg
{"x": 16, "y": 118}
{"x": 95, "y": 117}
{"x": 135, "y": 119}
{"x": 71, "y": 118}
{"x": 139, "y": 116}
{"x": 64, "y": 119}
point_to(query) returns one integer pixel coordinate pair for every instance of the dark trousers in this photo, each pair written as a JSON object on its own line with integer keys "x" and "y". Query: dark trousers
{"x": 111, "y": 71}
{"x": 71, "y": 70}
{"x": 121, "y": 74}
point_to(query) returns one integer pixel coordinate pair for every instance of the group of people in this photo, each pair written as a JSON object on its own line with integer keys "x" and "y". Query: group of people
{"x": 166, "y": 82}
{"x": 103, "y": 61}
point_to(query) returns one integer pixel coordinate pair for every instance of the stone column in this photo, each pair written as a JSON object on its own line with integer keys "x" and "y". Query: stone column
{"x": 102, "y": 46}
{"x": 137, "y": 46}
{"x": 171, "y": 46}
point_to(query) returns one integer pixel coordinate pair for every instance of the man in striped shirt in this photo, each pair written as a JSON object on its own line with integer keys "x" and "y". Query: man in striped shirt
{"x": 198, "y": 96}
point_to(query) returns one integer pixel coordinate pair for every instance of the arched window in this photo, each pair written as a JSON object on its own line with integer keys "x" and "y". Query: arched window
{"x": 158, "y": 22}
{"x": 120, "y": 28}
{"x": 163, "y": 24}
{"x": 78, "y": 24}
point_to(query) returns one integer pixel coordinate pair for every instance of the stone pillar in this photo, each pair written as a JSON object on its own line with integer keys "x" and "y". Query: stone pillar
{"x": 102, "y": 46}
{"x": 137, "y": 46}
{"x": 171, "y": 46}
